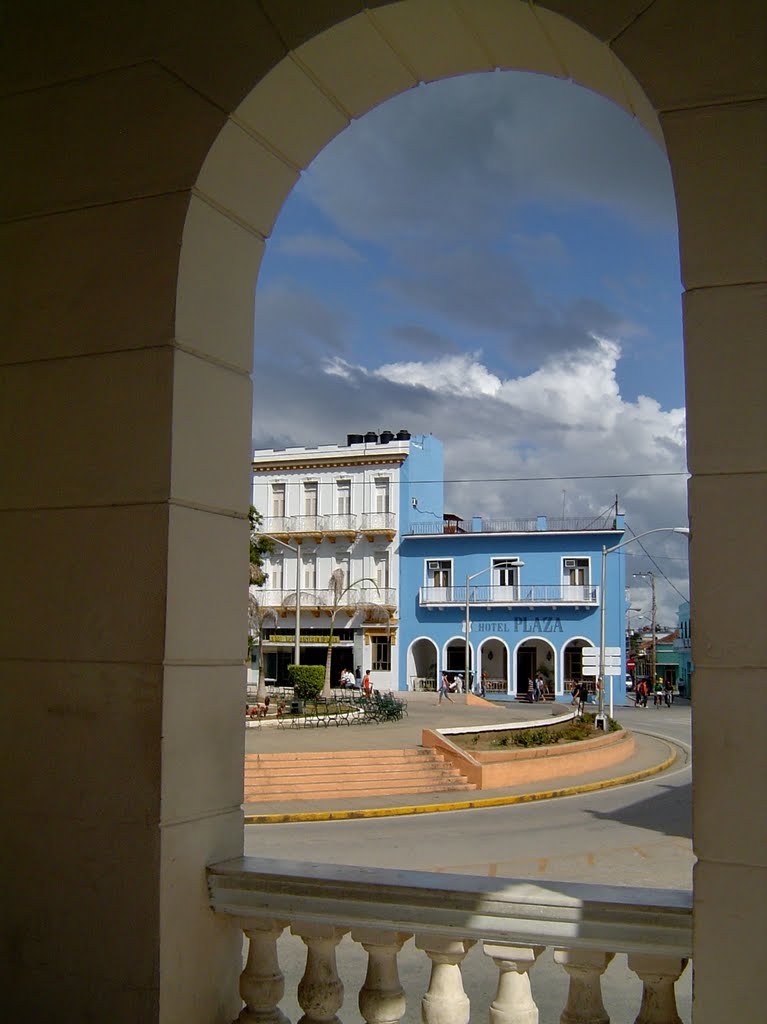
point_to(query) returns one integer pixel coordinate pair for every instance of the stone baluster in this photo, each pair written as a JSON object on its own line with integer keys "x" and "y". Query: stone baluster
{"x": 381, "y": 999}
{"x": 513, "y": 1003}
{"x": 445, "y": 1001}
{"x": 584, "y": 998}
{"x": 320, "y": 991}
{"x": 262, "y": 983}
{"x": 659, "y": 974}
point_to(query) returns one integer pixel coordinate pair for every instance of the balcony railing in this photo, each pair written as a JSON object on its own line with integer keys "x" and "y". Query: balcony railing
{"x": 512, "y": 921}
{"x": 330, "y": 526}
{"x": 378, "y": 522}
{"x": 536, "y": 524}
{"x": 529, "y": 595}
{"x": 314, "y": 598}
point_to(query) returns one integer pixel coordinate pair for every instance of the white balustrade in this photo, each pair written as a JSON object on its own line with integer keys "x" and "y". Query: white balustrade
{"x": 513, "y": 1003}
{"x": 514, "y": 920}
{"x": 659, "y": 974}
{"x": 584, "y": 997}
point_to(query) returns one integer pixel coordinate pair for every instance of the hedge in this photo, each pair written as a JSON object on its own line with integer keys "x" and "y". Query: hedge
{"x": 307, "y": 680}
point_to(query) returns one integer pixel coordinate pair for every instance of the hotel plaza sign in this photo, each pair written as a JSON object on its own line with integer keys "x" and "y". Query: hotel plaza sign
{"x": 521, "y": 624}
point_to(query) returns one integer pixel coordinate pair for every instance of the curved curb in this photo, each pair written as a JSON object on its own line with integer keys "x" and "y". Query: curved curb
{"x": 463, "y": 805}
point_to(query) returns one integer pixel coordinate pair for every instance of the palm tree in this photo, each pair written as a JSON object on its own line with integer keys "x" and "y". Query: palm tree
{"x": 258, "y": 616}
{"x": 340, "y": 592}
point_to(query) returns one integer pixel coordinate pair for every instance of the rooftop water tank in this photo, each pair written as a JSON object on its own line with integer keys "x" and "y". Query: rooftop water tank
{"x": 371, "y": 437}
{"x": 354, "y": 438}
{"x": 386, "y": 436}
{"x": 403, "y": 435}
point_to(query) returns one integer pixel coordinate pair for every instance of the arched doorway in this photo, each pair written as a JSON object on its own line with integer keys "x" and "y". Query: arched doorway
{"x": 572, "y": 662}
{"x": 422, "y": 657}
{"x": 534, "y": 656}
{"x": 117, "y": 310}
{"x": 454, "y": 660}
{"x": 493, "y": 666}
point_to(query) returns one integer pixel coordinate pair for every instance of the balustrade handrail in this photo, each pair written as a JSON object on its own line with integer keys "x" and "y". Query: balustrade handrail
{"x": 523, "y": 594}
{"x": 574, "y": 915}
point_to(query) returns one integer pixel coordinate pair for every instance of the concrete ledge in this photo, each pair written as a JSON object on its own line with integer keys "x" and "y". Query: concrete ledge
{"x": 498, "y": 770}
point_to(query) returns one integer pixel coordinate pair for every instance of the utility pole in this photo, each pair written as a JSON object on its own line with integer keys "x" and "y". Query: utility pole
{"x": 654, "y": 648}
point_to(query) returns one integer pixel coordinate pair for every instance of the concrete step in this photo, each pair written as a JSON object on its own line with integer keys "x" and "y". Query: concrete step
{"x": 274, "y": 777}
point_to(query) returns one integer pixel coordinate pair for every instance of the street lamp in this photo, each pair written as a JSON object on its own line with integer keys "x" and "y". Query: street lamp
{"x": 469, "y": 578}
{"x": 605, "y": 552}
{"x": 654, "y": 648}
{"x": 297, "y": 638}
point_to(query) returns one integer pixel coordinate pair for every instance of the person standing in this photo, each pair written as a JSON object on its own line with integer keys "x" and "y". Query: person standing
{"x": 367, "y": 684}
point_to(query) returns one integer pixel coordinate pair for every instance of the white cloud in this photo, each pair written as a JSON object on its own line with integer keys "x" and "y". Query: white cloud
{"x": 320, "y": 247}
{"x": 452, "y": 375}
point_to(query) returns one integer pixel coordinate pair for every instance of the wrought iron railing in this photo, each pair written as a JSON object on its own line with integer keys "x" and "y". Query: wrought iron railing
{"x": 526, "y": 595}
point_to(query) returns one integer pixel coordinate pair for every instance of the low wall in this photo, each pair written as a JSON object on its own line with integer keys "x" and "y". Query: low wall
{"x": 490, "y": 769}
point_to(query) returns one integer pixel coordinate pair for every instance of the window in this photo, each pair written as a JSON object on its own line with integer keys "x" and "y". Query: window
{"x": 381, "y": 571}
{"x": 310, "y": 573}
{"x": 382, "y": 494}
{"x": 381, "y": 653}
{"x": 310, "y": 499}
{"x": 438, "y": 573}
{"x": 276, "y": 575}
{"x": 505, "y": 572}
{"x": 278, "y": 500}
{"x": 342, "y": 563}
{"x": 343, "y": 497}
{"x": 576, "y": 571}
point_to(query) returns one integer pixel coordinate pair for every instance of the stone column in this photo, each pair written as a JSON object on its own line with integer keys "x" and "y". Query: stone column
{"x": 659, "y": 974}
{"x": 381, "y": 999}
{"x": 320, "y": 991}
{"x": 445, "y": 1001}
{"x": 584, "y": 997}
{"x": 262, "y": 983}
{"x": 513, "y": 1003}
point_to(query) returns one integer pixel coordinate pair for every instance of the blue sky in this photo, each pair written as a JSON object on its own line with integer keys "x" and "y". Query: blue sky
{"x": 492, "y": 259}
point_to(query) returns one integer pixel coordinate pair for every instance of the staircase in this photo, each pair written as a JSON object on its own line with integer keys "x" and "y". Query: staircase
{"x": 311, "y": 776}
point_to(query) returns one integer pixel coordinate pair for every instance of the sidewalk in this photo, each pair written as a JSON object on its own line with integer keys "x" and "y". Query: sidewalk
{"x": 652, "y": 755}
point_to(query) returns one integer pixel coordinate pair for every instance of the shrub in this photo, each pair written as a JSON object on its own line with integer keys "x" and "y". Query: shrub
{"x": 307, "y": 680}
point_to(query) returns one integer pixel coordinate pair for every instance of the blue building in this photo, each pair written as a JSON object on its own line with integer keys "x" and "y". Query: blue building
{"x": 534, "y": 601}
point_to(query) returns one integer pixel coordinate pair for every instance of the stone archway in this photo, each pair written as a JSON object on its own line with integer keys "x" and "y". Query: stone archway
{"x": 422, "y": 659}
{"x": 121, "y": 356}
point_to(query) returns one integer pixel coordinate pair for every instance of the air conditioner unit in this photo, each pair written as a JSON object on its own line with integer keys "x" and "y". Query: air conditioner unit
{"x": 433, "y": 565}
{"x": 571, "y": 563}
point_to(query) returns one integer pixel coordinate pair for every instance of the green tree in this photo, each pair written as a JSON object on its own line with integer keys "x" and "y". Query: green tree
{"x": 259, "y": 615}
{"x": 260, "y": 546}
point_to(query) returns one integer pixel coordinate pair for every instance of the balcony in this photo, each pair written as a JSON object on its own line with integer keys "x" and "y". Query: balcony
{"x": 510, "y": 922}
{"x": 340, "y": 526}
{"x": 318, "y": 528}
{"x": 376, "y": 524}
{"x": 494, "y": 596}
{"x": 283, "y": 601}
{"x": 535, "y": 524}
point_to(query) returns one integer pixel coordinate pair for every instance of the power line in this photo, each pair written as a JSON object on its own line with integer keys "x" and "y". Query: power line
{"x": 550, "y": 479}
{"x": 659, "y": 570}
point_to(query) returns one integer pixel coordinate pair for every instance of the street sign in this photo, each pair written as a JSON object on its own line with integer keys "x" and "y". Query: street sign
{"x": 591, "y": 661}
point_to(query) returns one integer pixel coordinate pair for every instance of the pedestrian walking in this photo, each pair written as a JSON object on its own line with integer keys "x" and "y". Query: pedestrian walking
{"x": 444, "y": 689}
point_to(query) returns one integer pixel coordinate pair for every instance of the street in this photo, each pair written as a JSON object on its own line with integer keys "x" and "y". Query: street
{"x": 636, "y": 835}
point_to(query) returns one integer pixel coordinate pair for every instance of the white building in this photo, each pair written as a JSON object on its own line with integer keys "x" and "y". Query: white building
{"x": 340, "y": 507}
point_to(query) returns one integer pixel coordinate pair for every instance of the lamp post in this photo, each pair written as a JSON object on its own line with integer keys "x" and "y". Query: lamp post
{"x": 297, "y": 636}
{"x": 469, "y": 578}
{"x": 605, "y": 552}
{"x": 654, "y": 648}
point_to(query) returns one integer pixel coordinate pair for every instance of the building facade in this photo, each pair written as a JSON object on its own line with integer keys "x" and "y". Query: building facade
{"x": 531, "y": 590}
{"x": 339, "y": 507}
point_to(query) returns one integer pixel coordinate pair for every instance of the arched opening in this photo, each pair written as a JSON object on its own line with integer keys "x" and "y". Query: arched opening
{"x": 168, "y": 642}
{"x": 454, "y": 662}
{"x": 572, "y": 662}
{"x": 493, "y": 666}
{"x": 534, "y": 657}
{"x": 422, "y": 659}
